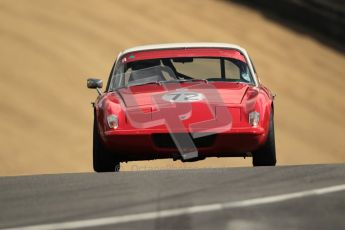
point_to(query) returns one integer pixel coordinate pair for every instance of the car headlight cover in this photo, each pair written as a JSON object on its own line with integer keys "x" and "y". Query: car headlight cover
{"x": 254, "y": 118}
{"x": 113, "y": 121}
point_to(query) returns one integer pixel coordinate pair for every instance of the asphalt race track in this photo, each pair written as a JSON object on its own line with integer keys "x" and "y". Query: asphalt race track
{"x": 288, "y": 197}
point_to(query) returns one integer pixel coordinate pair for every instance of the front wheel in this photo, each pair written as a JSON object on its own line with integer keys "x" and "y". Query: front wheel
{"x": 103, "y": 161}
{"x": 266, "y": 154}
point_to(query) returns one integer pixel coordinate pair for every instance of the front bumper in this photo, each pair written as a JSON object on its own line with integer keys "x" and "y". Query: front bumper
{"x": 141, "y": 144}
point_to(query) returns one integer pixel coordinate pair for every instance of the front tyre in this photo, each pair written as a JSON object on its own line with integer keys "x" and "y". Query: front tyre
{"x": 103, "y": 161}
{"x": 266, "y": 154}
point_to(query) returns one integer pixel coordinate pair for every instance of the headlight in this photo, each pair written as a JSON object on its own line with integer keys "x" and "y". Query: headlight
{"x": 113, "y": 121}
{"x": 254, "y": 118}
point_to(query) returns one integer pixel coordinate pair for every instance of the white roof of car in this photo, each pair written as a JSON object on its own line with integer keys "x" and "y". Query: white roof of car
{"x": 183, "y": 45}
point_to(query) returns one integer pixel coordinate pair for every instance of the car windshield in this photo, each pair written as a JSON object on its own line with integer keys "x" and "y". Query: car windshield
{"x": 181, "y": 69}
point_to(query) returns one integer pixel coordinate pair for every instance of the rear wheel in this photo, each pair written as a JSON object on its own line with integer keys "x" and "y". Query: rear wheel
{"x": 103, "y": 161}
{"x": 266, "y": 154}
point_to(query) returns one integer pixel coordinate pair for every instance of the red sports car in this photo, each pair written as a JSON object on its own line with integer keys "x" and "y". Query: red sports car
{"x": 182, "y": 101}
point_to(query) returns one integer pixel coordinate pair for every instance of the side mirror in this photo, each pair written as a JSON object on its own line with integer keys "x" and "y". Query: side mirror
{"x": 93, "y": 83}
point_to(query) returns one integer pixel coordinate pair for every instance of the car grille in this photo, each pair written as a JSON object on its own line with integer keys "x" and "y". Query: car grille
{"x": 165, "y": 140}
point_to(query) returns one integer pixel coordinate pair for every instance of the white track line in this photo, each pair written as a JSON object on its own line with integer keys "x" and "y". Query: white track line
{"x": 180, "y": 211}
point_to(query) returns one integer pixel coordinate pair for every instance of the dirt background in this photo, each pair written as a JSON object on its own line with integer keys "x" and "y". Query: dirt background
{"x": 49, "y": 48}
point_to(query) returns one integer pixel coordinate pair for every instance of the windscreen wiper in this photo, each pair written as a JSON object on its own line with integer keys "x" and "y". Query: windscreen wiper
{"x": 146, "y": 83}
{"x": 191, "y": 80}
